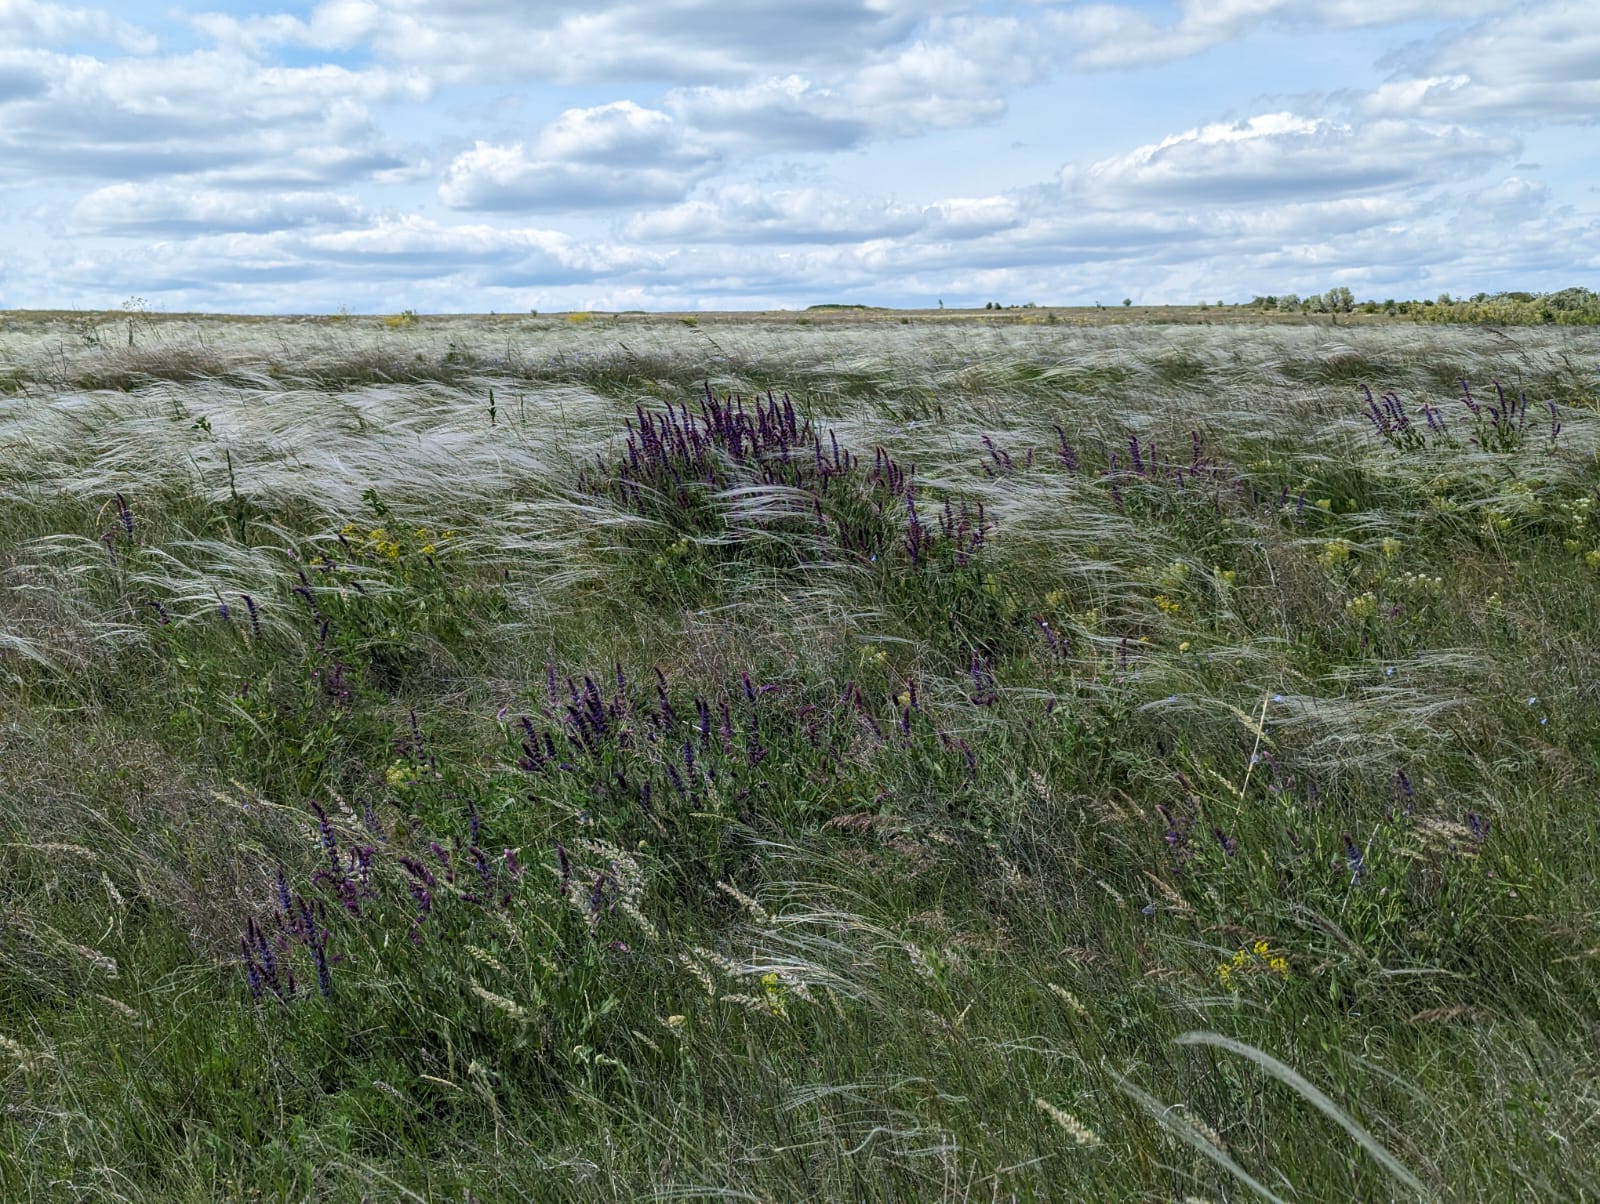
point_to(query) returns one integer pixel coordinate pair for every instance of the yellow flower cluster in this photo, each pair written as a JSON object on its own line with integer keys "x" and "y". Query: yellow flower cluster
{"x": 1258, "y": 959}
{"x": 1363, "y": 607}
{"x": 1581, "y": 527}
{"x": 402, "y": 775}
{"x": 674, "y": 551}
{"x": 1335, "y": 552}
{"x": 395, "y": 546}
{"x": 777, "y": 997}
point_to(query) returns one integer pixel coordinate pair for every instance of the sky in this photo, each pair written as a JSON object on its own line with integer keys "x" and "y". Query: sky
{"x": 246, "y": 156}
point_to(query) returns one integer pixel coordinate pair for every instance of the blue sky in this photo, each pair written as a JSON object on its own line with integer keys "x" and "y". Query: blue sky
{"x": 381, "y": 155}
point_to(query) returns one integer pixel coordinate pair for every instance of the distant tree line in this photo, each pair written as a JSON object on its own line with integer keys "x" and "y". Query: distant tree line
{"x": 1567, "y": 307}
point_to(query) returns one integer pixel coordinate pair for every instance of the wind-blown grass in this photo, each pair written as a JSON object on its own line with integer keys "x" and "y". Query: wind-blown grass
{"x": 1057, "y": 763}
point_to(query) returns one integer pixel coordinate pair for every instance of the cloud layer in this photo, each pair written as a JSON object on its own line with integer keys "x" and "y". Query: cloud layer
{"x": 680, "y": 153}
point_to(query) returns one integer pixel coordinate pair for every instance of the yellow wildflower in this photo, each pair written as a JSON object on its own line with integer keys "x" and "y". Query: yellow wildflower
{"x": 1334, "y": 552}
{"x": 776, "y": 996}
{"x": 1363, "y": 607}
{"x": 401, "y": 775}
{"x": 1260, "y": 958}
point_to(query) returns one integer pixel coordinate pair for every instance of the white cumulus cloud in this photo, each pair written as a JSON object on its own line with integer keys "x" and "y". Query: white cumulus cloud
{"x": 609, "y": 155}
{"x": 1274, "y": 156}
{"x": 1540, "y": 63}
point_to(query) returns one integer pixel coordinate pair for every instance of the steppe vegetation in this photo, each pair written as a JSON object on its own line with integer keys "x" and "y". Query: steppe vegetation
{"x": 512, "y": 758}
{"x": 1563, "y": 307}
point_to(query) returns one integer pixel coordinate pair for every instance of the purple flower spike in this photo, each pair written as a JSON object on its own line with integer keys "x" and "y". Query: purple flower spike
{"x": 566, "y": 868}
{"x": 319, "y": 952}
{"x": 1402, "y": 786}
{"x": 1353, "y": 859}
{"x": 255, "y": 615}
{"x": 251, "y": 973}
{"x": 329, "y": 842}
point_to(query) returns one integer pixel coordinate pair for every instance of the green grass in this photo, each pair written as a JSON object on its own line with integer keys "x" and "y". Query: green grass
{"x": 1220, "y": 823}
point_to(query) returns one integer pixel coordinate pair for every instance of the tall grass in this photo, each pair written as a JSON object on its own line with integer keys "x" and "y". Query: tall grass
{"x": 1008, "y": 763}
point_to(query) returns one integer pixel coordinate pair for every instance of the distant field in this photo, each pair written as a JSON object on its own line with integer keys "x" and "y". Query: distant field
{"x": 108, "y": 324}
{"x": 998, "y": 755}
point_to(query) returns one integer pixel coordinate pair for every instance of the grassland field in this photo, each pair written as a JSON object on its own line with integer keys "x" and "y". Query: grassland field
{"x": 1082, "y": 755}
